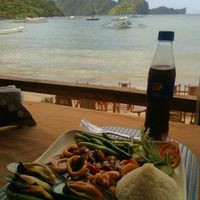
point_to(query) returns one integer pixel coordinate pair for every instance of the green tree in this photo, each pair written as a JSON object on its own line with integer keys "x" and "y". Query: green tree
{"x": 85, "y": 7}
{"x": 130, "y": 7}
{"x": 28, "y": 8}
{"x": 124, "y": 7}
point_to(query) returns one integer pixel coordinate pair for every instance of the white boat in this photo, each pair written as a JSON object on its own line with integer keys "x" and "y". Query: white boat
{"x": 123, "y": 24}
{"x": 11, "y": 30}
{"x": 35, "y": 20}
{"x": 74, "y": 17}
{"x": 92, "y": 18}
{"x": 120, "y": 18}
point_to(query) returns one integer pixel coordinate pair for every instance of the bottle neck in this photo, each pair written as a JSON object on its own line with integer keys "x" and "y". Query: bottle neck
{"x": 164, "y": 56}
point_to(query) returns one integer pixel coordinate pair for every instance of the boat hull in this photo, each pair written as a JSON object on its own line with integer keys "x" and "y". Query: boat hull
{"x": 11, "y": 30}
{"x": 92, "y": 19}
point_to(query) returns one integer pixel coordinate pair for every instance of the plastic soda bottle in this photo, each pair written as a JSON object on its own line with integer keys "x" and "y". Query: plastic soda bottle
{"x": 161, "y": 79}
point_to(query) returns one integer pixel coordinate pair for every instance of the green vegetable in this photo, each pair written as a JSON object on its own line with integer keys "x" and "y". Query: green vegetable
{"x": 92, "y": 135}
{"x": 117, "y": 142}
{"x": 106, "y": 136}
{"x": 151, "y": 153}
{"x": 96, "y": 141}
{"x": 79, "y": 136}
{"x": 109, "y": 144}
{"x": 96, "y": 146}
{"x": 83, "y": 138}
{"x": 167, "y": 169}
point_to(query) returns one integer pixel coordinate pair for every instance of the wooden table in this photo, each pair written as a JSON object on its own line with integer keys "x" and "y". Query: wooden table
{"x": 25, "y": 143}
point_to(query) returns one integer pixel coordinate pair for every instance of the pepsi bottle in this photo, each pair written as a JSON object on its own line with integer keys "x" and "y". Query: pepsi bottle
{"x": 161, "y": 79}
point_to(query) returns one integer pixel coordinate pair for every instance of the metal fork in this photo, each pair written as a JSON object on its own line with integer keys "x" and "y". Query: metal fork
{"x": 95, "y": 129}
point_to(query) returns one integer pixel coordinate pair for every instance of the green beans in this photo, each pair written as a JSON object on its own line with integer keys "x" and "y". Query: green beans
{"x": 121, "y": 152}
{"x": 96, "y": 141}
{"x": 151, "y": 153}
{"x": 79, "y": 136}
{"x": 106, "y": 136}
{"x": 99, "y": 147}
{"x": 101, "y": 142}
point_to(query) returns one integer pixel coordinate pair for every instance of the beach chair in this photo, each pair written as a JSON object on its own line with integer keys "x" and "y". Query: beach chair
{"x": 128, "y": 107}
{"x": 102, "y": 105}
{"x": 117, "y": 106}
{"x": 193, "y": 91}
{"x": 63, "y": 100}
{"x": 88, "y": 103}
{"x": 178, "y": 116}
{"x": 177, "y": 89}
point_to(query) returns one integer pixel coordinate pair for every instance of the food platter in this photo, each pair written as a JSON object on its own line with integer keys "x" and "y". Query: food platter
{"x": 67, "y": 138}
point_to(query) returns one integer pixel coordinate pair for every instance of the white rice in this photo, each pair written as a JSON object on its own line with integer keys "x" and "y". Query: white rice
{"x": 147, "y": 183}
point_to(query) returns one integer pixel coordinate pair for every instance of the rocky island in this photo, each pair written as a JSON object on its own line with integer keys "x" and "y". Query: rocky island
{"x": 164, "y": 10}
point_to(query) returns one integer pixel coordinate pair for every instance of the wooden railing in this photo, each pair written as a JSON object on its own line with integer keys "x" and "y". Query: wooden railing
{"x": 96, "y": 92}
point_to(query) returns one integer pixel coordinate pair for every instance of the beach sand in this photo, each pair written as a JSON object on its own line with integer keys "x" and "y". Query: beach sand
{"x": 37, "y": 97}
{"x": 47, "y": 98}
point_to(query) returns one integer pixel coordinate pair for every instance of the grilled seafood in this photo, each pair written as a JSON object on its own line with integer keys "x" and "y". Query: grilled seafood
{"x": 85, "y": 190}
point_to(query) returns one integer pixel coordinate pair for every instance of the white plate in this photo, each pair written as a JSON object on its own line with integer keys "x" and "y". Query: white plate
{"x": 67, "y": 138}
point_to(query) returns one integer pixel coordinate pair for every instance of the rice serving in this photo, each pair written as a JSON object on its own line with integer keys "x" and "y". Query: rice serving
{"x": 147, "y": 183}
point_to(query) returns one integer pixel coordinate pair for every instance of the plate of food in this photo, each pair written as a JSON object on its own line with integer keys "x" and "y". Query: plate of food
{"x": 85, "y": 166}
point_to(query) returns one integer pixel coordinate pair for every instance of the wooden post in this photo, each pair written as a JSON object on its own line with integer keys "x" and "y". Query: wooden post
{"x": 197, "y": 113}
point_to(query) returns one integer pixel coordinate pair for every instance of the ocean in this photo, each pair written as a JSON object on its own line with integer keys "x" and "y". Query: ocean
{"x": 93, "y": 52}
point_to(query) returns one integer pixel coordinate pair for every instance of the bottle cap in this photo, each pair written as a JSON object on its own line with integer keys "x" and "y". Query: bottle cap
{"x": 166, "y": 35}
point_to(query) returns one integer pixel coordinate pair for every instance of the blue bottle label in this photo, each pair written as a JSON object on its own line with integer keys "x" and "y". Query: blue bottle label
{"x": 160, "y": 90}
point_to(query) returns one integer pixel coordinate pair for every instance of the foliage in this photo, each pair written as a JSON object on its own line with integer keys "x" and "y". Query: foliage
{"x": 28, "y": 8}
{"x": 85, "y": 7}
{"x": 125, "y": 7}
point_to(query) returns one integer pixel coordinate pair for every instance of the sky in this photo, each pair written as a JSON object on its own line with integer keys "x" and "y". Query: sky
{"x": 193, "y": 6}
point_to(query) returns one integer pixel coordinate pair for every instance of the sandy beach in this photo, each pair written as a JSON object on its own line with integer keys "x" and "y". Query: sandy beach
{"x": 37, "y": 97}
{"x": 47, "y": 98}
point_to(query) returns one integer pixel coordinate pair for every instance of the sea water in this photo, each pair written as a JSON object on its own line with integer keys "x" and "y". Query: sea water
{"x": 94, "y": 52}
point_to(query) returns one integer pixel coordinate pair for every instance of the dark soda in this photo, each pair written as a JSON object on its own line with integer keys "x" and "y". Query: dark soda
{"x": 159, "y": 94}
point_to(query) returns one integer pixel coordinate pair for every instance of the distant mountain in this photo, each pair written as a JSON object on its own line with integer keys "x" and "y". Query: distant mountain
{"x": 28, "y": 8}
{"x": 85, "y": 7}
{"x": 103, "y": 7}
{"x": 164, "y": 10}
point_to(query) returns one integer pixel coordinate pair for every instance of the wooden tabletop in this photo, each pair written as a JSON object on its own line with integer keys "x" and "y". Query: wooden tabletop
{"x": 26, "y": 143}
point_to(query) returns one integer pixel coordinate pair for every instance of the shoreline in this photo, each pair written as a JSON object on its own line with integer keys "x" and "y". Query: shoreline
{"x": 150, "y": 14}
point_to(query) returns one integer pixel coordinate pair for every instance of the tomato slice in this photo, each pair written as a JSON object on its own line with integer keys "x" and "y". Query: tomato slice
{"x": 172, "y": 149}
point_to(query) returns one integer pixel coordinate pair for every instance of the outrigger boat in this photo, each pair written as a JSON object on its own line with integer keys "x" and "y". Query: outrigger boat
{"x": 11, "y": 30}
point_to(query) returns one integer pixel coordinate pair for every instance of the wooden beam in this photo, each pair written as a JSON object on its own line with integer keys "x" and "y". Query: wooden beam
{"x": 96, "y": 92}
